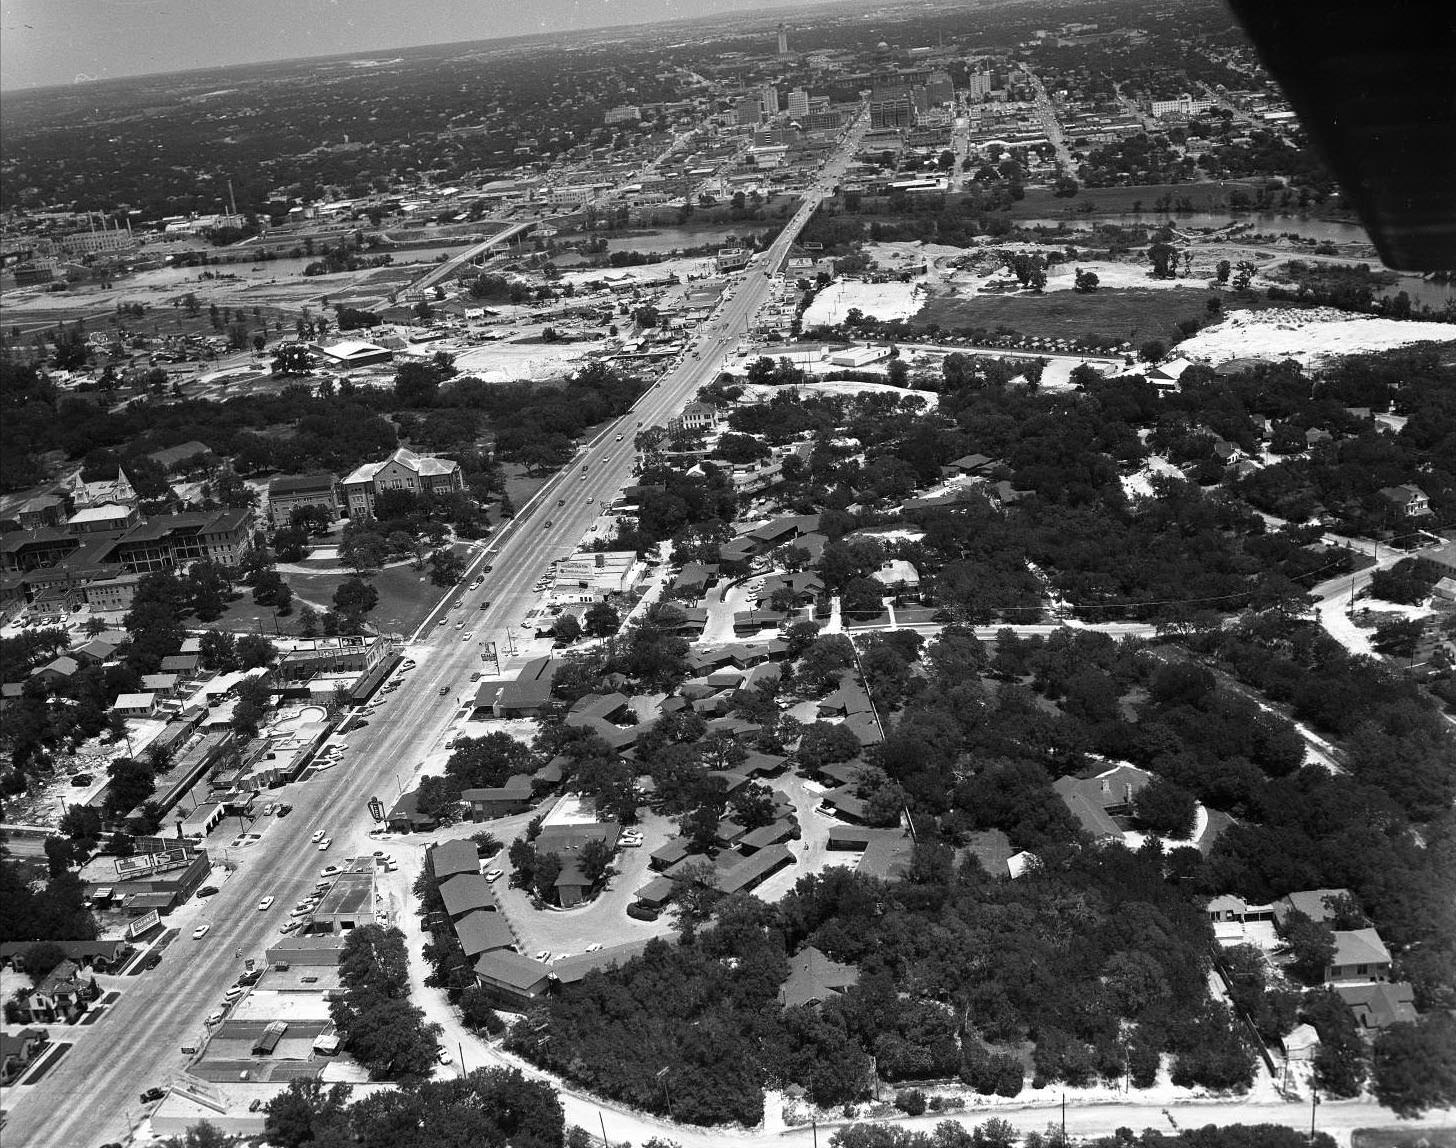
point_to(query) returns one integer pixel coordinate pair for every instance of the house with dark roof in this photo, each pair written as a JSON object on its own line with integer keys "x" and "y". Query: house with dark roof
{"x": 750, "y": 872}
{"x": 528, "y": 692}
{"x": 515, "y": 981}
{"x": 481, "y": 932}
{"x": 18, "y": 1050}
{"x": 61, "y": 995}
{"x": 451, "y": 858}
{"x": 1378, "y": 1006}
{"x": 405, "y": 816}
{"x": 814, "y": 978}
{"x": 1407, "y": 501}
{"x": 467, "y": 892}
{"x": 567, "y": 841}
{"x": 695, "y": 578}
{"x": 669, "y": 855}
{"x": 569, "y": 970}
{"x": 500, "y": 800}
{"x": 1096, "y": 801}
{"x": 1313, "y": 903}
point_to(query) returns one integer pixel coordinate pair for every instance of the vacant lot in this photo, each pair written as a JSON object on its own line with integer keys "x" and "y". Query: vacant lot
{"x": 1135, "y": 314}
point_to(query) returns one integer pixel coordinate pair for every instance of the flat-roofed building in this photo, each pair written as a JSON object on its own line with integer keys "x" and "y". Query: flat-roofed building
{"x": 349, "y": 903}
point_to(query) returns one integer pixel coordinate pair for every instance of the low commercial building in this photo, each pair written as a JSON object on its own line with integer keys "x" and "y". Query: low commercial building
{"x": 349, "y": 903}
{"x": 499, "y": 801}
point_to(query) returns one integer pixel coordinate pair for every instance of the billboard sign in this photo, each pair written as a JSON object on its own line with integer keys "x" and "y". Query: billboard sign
{"x": 153, "y": 862}
{"x": 142, "y": 924}
{"x": 376, "y": 809}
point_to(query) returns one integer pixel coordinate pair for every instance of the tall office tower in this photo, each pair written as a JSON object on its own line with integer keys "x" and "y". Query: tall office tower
{"x": 768, "y": 96}
{"x": 798, "y": 103}
{"x": 749, "y": 110}
{"x": 783, "y": 40}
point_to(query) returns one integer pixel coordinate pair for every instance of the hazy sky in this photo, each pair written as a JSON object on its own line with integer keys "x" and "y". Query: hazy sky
{"x": 45, "y": 42}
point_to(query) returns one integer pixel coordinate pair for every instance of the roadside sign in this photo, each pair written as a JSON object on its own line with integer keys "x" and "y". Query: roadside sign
{"x": 142, "y": 924}
{"x": 376, "y": 809}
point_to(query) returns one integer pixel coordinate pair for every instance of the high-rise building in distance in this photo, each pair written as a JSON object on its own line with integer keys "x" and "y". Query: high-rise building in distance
{"x": 798, "y": 103}
{"x": 783, "y": 40}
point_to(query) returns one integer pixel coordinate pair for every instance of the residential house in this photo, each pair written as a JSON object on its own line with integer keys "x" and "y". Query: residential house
{"x": 814, "y": 978}
{"x": 1095, "y": 801}
{"x": 566, "y": 841}
{"x": 1360, "y": 955}
{"x": 749, "y": 872}
{"x": 1378, "y": 1006}
{"x": 1407, "y": 501}
{"x": 18, "y": 1050}
{"x": 1313, "y": 903}
{"x": 137, "y": 705}
{"x": 61, "y": 995}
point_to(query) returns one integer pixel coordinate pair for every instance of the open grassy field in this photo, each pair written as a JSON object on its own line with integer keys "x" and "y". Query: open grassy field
{"x": 1135, "y": 314}
{"x": 1040, "y": 202}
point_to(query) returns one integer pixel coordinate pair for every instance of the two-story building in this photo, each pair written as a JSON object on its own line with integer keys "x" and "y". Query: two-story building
{"x": 403, "y": 470}
{"x": 289, "y": 491}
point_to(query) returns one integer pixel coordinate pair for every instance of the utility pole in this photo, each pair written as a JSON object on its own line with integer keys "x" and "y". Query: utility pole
{"x": 602, "y": 1120}
{"x": 1313, "y": 1104}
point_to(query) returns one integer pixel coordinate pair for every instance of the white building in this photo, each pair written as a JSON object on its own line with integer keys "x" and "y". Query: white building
{"x": 798, "y": 103}
{"x": 592, "y": 575}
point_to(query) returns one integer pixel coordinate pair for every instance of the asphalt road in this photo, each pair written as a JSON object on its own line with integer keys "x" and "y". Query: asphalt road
{"x": 91, "y": 1095}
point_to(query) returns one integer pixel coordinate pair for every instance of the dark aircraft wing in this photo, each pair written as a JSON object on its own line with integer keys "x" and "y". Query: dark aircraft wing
{"x": 1374, "y": 83}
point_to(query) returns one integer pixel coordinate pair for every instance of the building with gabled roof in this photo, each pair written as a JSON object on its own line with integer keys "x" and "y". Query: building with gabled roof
{"x": 467, "y": 892}
{"x": 1360, "y": 955}
{"x": 450, "y": 858}
{"x": 403, "y": 470}
{"x": 514, "y": 980}
{"x": 481, "y": 932}
{"x": 813, "y": 978}
{"x": 1378, "y": 1006}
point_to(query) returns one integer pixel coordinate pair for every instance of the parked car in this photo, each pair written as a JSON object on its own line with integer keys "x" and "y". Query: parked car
{"x": 595, "y": 946}
{"x": 330, "y": 871}
{"x": 266, "y": 903}
{"x": 207, "y": 891}
{"x": 200, "y": 932}
{"x": 269, "y": 808}
{"x": 290, "y": 925}
{"x": 81, "y": 779}
{"x": 493, "y": 874}
{"x": 544, "y": 955}
{"x": 442, "y": 1056}
{"x": 152, "y": 1094}
{"x": 284, "y": 810}
{"x": 215, "y": 1018}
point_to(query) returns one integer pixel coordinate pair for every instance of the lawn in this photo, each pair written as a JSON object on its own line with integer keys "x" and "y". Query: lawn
{"x": 1135, "y": 314}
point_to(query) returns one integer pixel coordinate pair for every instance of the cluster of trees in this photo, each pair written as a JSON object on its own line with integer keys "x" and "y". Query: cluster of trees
{"x": 996, "y": 1133}
{"x": 1085, "y": 1006}
{"x": 377, "y": 1025}
{"x": 489, "y": 1108}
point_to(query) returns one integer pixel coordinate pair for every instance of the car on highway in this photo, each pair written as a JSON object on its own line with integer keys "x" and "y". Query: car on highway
{"x": 407, "y": 664}
{"x": 444, "y": 621}
{"x": 588, "y": 500}
{"x": 561, "y": 502}
{"x": 269, "y": 808}
{"x": 331, "y": 870}
{"x": 487, "y": 569}
{"x": 619, "y": 438}
{"x": 595, "y": 946}
{"x": 485, "y": 606}
{"x": 460, "y": 625}
{"x": 200, "y": 932}
{"x": 319, "y": 836}
{"x": 444, "y": 690}
{"x": 459, "y": 602}
{"x": 465, "y": 637}
{"x": 325, "y": 843}
{"x": 266, "y": 903}
{"x": 548, "y": 525}
{"x": 284, "y": 810}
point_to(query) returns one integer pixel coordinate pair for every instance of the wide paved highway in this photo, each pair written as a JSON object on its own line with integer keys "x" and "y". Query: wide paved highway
{"x": 90, "y": 1096}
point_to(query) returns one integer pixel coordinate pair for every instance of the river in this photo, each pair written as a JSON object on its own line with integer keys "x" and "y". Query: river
{"x": 1422, "y": 291}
